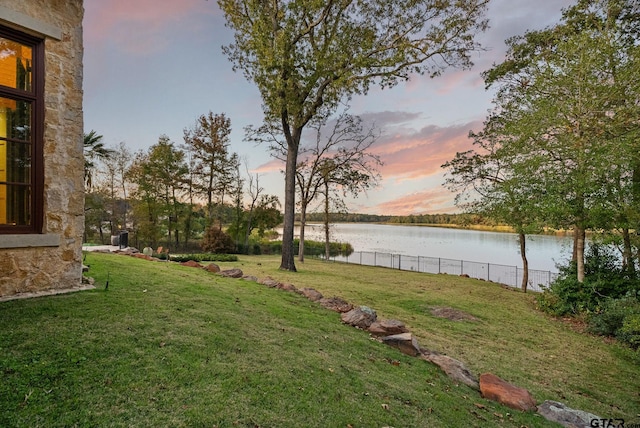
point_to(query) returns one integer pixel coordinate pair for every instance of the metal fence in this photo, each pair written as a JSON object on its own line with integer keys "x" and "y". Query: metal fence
{"x": 507, "y": 275}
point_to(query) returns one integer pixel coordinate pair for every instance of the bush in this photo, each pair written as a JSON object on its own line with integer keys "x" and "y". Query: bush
{"x": 605, "y": 279}
{"x": 629, "y": 333}
{"x": 205, "y": 257}
{"x": 217, "y": 241}
{"x": 611, "y": 317}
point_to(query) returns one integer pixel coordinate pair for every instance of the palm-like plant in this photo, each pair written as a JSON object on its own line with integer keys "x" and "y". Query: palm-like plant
{"x": 93, "y": 149}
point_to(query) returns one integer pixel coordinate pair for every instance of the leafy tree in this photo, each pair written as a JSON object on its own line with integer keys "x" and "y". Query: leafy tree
{"x": 213, "y": 165}
{"x": 572, "y": 110}
{"x": 307, "y": 56}
{"x": 160, "y": 176}
{"x": 493, "y": 180}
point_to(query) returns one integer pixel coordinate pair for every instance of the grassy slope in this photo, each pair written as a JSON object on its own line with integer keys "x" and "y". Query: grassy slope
{"x": 173, "y": 346}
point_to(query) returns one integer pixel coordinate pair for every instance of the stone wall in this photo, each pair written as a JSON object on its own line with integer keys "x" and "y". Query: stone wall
{"x": 52, "y": 260}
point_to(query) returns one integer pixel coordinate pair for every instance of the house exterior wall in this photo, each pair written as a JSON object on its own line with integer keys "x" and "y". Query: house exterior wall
{"x": 53, "y": 259}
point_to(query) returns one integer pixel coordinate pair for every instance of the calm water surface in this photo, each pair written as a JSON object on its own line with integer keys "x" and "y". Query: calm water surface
{"x": 543, "y": 252}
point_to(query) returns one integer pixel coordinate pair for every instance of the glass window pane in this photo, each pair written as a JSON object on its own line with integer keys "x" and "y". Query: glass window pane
{"x": 15, "y": 65}
{"x": 15, "y": 119}
{"x": 15, "y": 205}
{"x": 18, "y": 164}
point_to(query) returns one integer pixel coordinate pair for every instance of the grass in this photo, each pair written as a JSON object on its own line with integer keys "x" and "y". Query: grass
{"x": 168, "y": 345}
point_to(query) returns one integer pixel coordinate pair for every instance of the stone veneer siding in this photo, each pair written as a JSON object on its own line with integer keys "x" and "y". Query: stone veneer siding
{"x": 53, "y": 260}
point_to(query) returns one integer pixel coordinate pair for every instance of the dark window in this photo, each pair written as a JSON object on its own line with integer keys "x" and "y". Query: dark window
{"x": 21, "y": 132}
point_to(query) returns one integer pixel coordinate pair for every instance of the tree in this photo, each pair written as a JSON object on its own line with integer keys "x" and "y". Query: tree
{"x": 208, "y": 142}
{"x": 94, "y": 149}
{"x": 160, "y": 176}
{"x": 306, "y": 57}
{"x": 572, "y": 108}
{"x": 493, "y": 180}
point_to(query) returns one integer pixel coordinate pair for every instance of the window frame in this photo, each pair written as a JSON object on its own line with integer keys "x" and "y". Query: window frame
{"x": 36, "y": 98}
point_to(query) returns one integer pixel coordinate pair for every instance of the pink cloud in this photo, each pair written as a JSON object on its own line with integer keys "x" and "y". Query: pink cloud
{"x": 428, "y": 201}
{"x": 414, "y": 154}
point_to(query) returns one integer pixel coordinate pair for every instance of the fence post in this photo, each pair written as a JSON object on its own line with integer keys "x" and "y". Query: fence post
{"x": 439, "y": 265}
{"x": 488, "y": 275}
{"x": 399, "y": 261}
{"x": 375, "y": 259}
{"x": 516, "y": 280}
{"x": 461, "y": 267}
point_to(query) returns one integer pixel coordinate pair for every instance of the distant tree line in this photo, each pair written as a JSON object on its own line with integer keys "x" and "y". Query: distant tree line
{"x": 175, "y": 195}
{"x": 461, "y": 220}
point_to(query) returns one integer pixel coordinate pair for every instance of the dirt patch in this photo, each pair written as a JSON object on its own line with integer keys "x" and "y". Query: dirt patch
{"x": 452, "y": 314}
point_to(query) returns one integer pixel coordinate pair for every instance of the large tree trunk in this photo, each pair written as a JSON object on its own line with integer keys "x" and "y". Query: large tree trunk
{"x": 303, "y": 223}
{"x": 288, "y": 262}
{"x": 522, "y": 238}
{"x": 579, "y": 247}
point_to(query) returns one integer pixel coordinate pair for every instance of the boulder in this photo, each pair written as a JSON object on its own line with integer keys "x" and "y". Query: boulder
{"x": 565, "y": 416}
{"x": 287, "y": 287}
{"x": 311, "y": 294}
{"x": 455, "y": 369}
{"x": 231, "y": 273}
{"x": 147, "y": 251}
{"x": 250, "y": 278}
{"x": 361, "y": 317}
{"x": 269, "y": 282}
{"x": 336, "y": 304}
{"x": 212, "y": 267}
{"x": 496, "y": 389}
{"x": 142, "y": 256}
{"x": 191, "y": 263}
{"x": 387, "y": 328}
{"x": 405, "y": 342}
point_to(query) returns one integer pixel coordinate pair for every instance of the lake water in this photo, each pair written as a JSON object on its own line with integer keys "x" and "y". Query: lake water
{"x": 543, "y": 251}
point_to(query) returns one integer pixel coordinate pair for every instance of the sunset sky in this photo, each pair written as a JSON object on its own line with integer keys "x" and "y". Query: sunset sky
{"x": 151, "y": 67}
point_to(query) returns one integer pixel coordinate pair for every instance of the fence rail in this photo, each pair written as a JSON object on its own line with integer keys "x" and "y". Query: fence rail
{"x": 502, "y": 274}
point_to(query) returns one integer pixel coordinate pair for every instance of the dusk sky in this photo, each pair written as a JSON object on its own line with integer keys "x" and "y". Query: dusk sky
{"x": 151, "y": 67}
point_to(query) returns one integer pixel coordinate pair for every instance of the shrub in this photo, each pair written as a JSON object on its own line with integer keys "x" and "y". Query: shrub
{"x": 605, "y": 279}
{"x": 217, "y": 241}
{"x": 629, "y": 333}
{"x": 205, "y": 257}
{"x": 612, "y": 316}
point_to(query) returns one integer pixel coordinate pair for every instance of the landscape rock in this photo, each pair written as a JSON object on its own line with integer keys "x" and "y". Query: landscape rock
{"x": 361, "y": 317}
{"x": 250, "y": 278}
{"x": 288, "y": 287}
{"x": 269, "y": 282}
{"x": 142, "y": 256}
{"x": 565, "y": 416}
{"x": 405, "y": 342}
{"x": 191, "y": 263}
{"x": 336, "y": 304}
{"x": 231, "y": 273}
{"x": 311, "y": 294}
{"x": 387, "y": 328}
{"x": 455, "y": 369}
{"x": 147, "y": 251}
{"x": 212, "y": 267}
{"x": 496, "y": 389}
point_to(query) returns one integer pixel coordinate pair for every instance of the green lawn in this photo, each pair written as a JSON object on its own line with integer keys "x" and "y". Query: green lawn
{"x": 168, "y": 345}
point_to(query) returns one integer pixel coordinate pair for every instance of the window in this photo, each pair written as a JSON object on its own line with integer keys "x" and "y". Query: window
{"x": 21, "y": 132}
